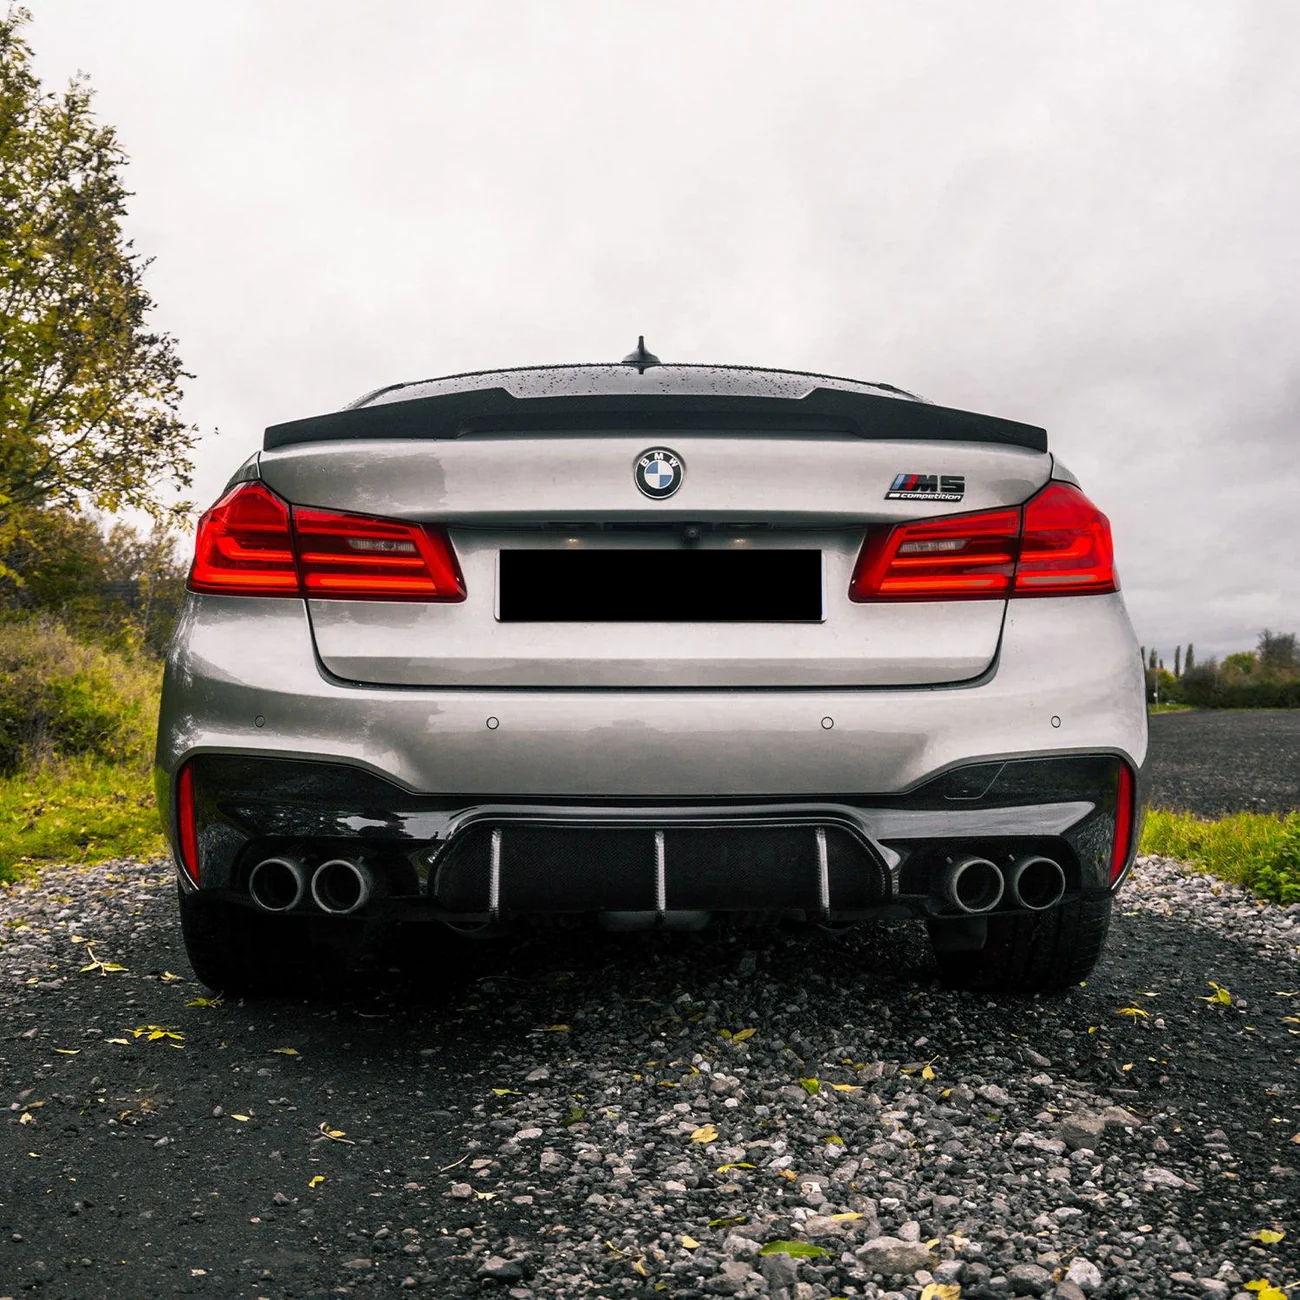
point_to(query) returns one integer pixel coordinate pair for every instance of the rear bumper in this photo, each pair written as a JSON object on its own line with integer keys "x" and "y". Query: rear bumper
{"x": 243, "y": 678}
{"x": 872, "y": 788}
{"x": 654, "y": 861}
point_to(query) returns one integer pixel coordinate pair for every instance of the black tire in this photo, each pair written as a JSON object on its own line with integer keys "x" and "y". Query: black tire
{"x": 239, "y": 951}
{"x": 1038, "y": 953}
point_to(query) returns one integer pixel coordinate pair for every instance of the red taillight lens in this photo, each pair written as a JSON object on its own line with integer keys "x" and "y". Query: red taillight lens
{"x": 358, "y": 557}
{"x": 244, "y": 546}
{"x": 1065, "y": 549}
{"x": 960, "y": 557}
{"x": 186, "y": 832}
{"x": 251, "y": 543}
{"x": 1124, "y": 810}
{"x": 1058, "y": 544}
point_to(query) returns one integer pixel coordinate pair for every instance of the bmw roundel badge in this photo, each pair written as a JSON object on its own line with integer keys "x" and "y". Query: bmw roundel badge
{"x": 659, "y": 472}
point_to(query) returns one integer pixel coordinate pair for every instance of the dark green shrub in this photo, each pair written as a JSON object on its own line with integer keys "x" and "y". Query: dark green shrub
{"x": 62, "y": 699}
{"x": 1279, "y": 878}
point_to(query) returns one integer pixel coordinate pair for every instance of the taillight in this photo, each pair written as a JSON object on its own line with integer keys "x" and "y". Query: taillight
{"x": 958, "y": 557}
{"x": 1065, "y": 549}
{"x": 359, "y": 557}
{"x": 1124, "y": 801}
{"x": 186, "y": 832}
{"x": 244, "y": 546}
{"x": 1057, "y": 544}
{"x": 251, "y": 543}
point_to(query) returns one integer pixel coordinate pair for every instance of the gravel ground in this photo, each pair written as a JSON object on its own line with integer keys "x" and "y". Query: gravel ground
{"x": 1226, "y": 760}
{"x": 579, "y": 1116}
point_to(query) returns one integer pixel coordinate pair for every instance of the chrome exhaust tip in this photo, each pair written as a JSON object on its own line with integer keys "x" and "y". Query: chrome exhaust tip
{"x": 341, "y": 886}
{"x": 1035, "y": 882}
{"x": 971, "y": 885}
{"x": 278, "y": 884}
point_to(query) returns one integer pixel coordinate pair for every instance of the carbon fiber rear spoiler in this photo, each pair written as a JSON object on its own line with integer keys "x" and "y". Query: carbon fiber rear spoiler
{"x": 495, "y": 410}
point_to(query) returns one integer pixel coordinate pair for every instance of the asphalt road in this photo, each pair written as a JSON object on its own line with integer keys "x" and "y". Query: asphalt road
{"x": 161, "y": 1142}
{"x": 1212, "y": 761}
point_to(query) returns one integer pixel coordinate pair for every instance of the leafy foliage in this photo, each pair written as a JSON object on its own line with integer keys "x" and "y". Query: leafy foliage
{"x": 1258, "y": 850}
{"x": 60, "y": 699}
{"x": 89, "y": 394}
{"x": 106, "y": 582}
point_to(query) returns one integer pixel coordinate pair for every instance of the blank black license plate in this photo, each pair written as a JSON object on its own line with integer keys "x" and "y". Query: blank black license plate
{"x": 625, "y": 586}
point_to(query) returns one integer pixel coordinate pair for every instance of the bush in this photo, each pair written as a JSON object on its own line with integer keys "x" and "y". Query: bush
{"x": 1258, "y": 850}
{"x": 1279, "y": 877}
{"x": 60, "y": 699}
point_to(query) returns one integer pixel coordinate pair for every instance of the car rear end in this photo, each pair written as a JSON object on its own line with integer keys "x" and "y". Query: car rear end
{"x": 649, "y": 646}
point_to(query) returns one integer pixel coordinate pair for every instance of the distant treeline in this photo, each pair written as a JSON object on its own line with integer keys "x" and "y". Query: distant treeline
{"x": 1267, "y": 677}
{"x": 106, "y": 582}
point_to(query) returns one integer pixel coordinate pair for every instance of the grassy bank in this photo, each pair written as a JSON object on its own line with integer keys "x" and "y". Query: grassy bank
{"x": 1258, "y": 850}
{"x": 76, "y": 743}
{"x": 81, "y": 811}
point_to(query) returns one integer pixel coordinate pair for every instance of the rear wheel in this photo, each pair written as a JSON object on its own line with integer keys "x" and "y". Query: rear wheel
{"x": 1030, "y": 954}
{"x": 237, "y": 950}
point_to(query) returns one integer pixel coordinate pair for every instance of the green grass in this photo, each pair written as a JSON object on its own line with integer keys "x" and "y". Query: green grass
{"x": 1258, "y": 850}
{"x": 78, "y": 811}
{"x": 1165, "y": 707}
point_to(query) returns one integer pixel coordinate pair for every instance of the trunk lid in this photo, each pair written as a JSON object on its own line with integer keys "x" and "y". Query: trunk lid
{"x": 558, "y": 494}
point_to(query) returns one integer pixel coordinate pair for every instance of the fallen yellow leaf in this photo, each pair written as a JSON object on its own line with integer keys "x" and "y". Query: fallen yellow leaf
{"x": 1267, "y": 1291}
{"x": 847, "y": 1087}
{"x": 742, "y": 1035}
{"x": 738, "y": 1164}
{"x": 316, "y": 1182}
{"x": 243, "y": 1119}
{"x": 68, "y": 1051}
{"x": 941, "y": 1291}
{"x": 790, "y": 1174}
{"x": 847, "y": 1217}
{"x": 705, "y": 1133}
{"x": 285, "y": 1051}
{"x": 690, "y": 1243}
{"x": 557, "y": 1029}
{"x": 1269, "y": 1236}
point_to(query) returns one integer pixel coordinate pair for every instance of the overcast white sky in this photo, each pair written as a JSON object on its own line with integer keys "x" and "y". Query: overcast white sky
{"x": 1081, "y": 215}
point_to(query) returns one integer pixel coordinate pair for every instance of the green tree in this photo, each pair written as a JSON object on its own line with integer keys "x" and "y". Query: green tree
{"x": 1276, "y": 651}
{"x": 89, "y": 394}
{"x": 1178, "y": 661}
{"x": 1240, "y": 664}
{"x": 1191, "y": 658}
{"x": 106, "y": 581}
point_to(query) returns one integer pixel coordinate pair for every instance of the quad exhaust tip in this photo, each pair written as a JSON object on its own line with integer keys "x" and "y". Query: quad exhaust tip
{"x": 278, "y": 884}
{"x": 341, "y": 886}
{"x": 1035, "y": 882}
{"x": 972, "y": 885}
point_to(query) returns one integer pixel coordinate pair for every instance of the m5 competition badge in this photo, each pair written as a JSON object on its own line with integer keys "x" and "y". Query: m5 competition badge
{"x": 927, "y": 487}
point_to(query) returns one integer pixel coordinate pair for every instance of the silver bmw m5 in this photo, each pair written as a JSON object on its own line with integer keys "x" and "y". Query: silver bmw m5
{"x": 648, "y": 646}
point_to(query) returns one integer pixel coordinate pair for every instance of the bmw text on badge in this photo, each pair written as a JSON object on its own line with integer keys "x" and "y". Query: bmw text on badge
{"x": 659, "y": 472}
